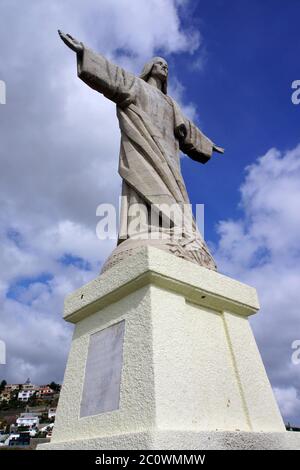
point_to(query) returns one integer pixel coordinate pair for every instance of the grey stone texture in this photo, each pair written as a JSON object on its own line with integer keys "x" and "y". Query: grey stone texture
{"x": 153, "y": 131}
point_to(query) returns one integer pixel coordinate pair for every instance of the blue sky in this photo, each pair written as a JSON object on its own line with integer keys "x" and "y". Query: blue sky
{"x": 243, "y": 93}
{"x": 232, "y": 64}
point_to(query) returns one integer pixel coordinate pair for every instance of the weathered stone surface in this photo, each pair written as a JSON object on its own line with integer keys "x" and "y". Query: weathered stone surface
{"x": 192, "y": 376}
{"x": 186, "y": 440}
{"x": 153, "y": 130}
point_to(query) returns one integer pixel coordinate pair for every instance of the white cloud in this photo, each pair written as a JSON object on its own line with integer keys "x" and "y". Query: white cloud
{"x": 176, "y": 90}
{"x": 262, "y": 249}
{"x": 288, "y": 400}
{"x": 59, "y": 155}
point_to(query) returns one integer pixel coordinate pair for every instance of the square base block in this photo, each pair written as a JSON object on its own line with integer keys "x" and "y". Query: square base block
{"x": 163, "y": 357}
{"x": 185, "y": 440}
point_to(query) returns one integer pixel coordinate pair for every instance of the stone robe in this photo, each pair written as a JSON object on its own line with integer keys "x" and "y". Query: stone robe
{"x": 153, "y": 130}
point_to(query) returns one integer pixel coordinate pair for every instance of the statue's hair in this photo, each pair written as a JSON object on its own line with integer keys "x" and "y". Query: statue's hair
{"x": 146, "y": 73}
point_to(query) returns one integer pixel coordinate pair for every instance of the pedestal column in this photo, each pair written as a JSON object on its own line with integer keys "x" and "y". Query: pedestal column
{"x": 163, "y": 357}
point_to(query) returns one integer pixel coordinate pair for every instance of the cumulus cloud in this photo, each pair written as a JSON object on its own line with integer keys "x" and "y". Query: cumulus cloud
{"x": 262, "y": 249}
{"x": 59, "y": 144}
{"x": 288, "y": 400}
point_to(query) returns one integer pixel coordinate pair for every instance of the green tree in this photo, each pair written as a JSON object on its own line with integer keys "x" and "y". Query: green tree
{"x": 32, "y": 400}
{"x": 2, "y": 385}
{"x": 54, "y": 386}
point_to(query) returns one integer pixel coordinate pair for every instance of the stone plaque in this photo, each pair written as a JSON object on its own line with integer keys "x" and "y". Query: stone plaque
{"x": 101, "y": 389}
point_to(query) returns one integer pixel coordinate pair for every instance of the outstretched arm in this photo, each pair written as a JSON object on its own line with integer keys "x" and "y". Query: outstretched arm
{"x": 100, "y": 74}
{"x": 71, "y": 42}
{"x": 195, "y": 144}
{"x": 192, "y": 141}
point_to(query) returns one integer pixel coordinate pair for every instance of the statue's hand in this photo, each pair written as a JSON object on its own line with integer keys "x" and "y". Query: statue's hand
{"x": 181, "y": 132}
{"x": 218, "y": 149}
{"x": 71, "y": 42}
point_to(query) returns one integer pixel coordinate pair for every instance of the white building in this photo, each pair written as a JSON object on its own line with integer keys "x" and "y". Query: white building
{"x": 29, "y": 386}
{"x": 28, "y": 419}
{"x": 51, "y": 413}
{"x": 11, "y": 387}
{"x": 24, "y": 395}
{"x": 44, "y": 391}
{"x": 47, "y": 428}
{"x": 11, "y": 436}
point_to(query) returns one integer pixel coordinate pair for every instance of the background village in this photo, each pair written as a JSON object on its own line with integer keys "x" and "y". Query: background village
{"x": 27, "y": 413}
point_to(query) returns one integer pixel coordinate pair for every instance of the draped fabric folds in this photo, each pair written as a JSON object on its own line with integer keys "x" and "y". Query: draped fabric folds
{"x": 153, "y": 130}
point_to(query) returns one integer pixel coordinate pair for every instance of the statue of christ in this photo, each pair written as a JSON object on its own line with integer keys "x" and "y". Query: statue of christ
{"x": 153, "y": 131}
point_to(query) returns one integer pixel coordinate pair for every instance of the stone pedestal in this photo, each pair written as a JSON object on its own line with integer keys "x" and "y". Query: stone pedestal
{"x": 163, "y": 357}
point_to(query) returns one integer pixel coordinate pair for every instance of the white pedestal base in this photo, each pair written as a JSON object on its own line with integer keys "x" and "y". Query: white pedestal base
{"x": 181, "y": 371}
{"x": 185, "y": 440}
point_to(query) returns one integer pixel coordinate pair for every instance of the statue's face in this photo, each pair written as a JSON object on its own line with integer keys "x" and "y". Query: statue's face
{"x": 160, "y": 69}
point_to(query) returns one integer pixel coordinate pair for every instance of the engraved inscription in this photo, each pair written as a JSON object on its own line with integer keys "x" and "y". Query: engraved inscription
{"x": 101, "y": 389}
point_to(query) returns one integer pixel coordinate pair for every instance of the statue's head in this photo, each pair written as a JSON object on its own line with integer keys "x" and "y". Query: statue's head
{"x": 156, "y": 67}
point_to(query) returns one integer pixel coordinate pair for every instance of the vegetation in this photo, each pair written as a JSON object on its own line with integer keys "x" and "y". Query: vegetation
{"x": 13, "y": 403}
{"x": 2, "y": 385}
{"x": 55, "y": 387}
